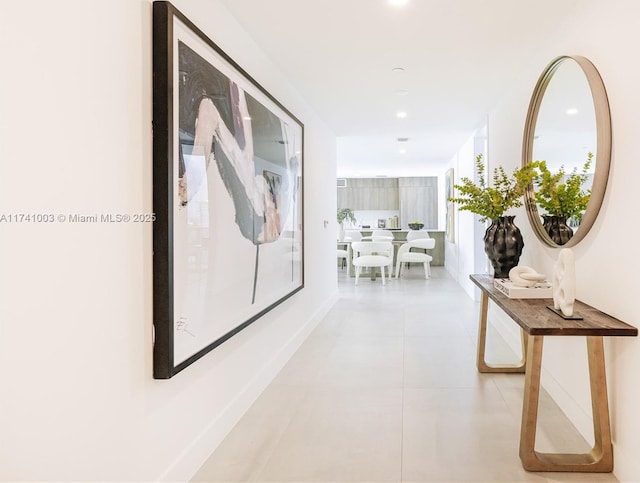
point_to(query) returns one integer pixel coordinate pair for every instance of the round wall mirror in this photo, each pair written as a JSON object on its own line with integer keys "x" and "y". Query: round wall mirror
{"x": 569, "y": 128}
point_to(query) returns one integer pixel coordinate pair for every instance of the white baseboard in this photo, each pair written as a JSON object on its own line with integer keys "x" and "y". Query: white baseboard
{"x": 510, "y": 332}
{"x": 506, "y": 327}
{"x": 569, "y": 406}
{"x": 626, "y": 464}
{"x": 195, "y": 454}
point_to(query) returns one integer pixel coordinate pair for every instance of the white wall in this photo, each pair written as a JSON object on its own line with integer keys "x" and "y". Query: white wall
{"x": 606, "y": 261}
{"x": 77, "y": 398}
{"x": 461, "y": 256}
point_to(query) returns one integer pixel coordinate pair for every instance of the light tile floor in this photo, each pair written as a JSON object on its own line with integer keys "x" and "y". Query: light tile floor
{"x": 386, "y": 390}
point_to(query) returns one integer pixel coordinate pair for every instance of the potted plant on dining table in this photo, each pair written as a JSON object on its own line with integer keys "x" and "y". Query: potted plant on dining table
{"x": 502, "y": 240}
{"x": 344, "y": 214}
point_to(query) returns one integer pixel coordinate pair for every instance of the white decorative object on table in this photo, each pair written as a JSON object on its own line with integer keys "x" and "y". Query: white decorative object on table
{"x": 541, "y": 290}
{"x": 524, "y": 276}
{"x": 564, "y": 282}
{"x": 524, "y": 283}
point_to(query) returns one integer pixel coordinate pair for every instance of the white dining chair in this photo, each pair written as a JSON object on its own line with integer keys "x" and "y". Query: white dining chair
{"x": 405, "y": 255}
{"x": 352, "y": 235}
{"x": 372, "y": 255}
{"x": 382, "y": 235}
{"x": 417, "y": 234}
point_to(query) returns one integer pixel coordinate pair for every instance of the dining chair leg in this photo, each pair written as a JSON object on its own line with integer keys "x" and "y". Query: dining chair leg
{"x": 357, "y": 274}
{"x": 426, "y": 271}
{"x": 382, "y": 271}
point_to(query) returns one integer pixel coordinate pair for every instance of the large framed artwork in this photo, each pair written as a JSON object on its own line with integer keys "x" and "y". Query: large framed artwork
{"x": 227, "y": 194}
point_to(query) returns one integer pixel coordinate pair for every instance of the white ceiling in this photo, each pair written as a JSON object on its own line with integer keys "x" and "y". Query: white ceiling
{"x": 459, "y": 57}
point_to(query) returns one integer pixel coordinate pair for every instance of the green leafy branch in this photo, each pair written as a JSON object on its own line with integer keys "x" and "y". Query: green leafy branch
{"x": 346, "y": 214}
{"x": 491, "y": 202}
{"x": 560, "y": 194}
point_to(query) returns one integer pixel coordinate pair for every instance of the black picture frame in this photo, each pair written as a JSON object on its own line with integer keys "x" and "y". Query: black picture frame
{"x": 228, "y": 240}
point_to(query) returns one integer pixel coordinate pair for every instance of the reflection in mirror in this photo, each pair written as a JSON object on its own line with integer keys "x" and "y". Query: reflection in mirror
{"x": 569, "y": 132}
{"x": 565, "y": 136}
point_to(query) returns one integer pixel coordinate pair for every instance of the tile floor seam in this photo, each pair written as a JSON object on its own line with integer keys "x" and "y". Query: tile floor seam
{"x": 256, "y": 479}
{"x": 404, "y": 361}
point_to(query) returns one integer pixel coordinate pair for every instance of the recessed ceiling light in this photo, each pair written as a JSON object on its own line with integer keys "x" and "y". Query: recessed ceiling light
{"x": 403, "y": 151}
{"x": 398, "y": 3}
{"x": 401, "y": 114}
{"x": 401, "y": 92}
{"x": 572, "y": 111}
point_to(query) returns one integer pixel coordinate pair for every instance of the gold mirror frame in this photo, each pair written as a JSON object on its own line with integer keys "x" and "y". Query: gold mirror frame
{"x": 603, "y": 149}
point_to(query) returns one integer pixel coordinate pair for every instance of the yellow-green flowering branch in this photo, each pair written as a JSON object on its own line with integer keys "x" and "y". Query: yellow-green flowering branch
{"x": 491, "y": 202}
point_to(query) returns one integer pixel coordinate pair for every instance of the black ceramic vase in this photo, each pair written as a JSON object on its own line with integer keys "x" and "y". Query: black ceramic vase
{"x": 557, "y": 228}
{"x": 503, "y": 245}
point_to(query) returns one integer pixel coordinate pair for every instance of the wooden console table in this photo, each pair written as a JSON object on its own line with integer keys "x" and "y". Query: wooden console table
{"x": 536, "y": 322}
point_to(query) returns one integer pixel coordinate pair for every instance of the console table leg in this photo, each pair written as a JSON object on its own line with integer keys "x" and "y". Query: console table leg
{"x": 530, "y": 403}
{"x": 481, "y": 364}
{"x": 602, "y": 451}
{"x": 600, "y": 458}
